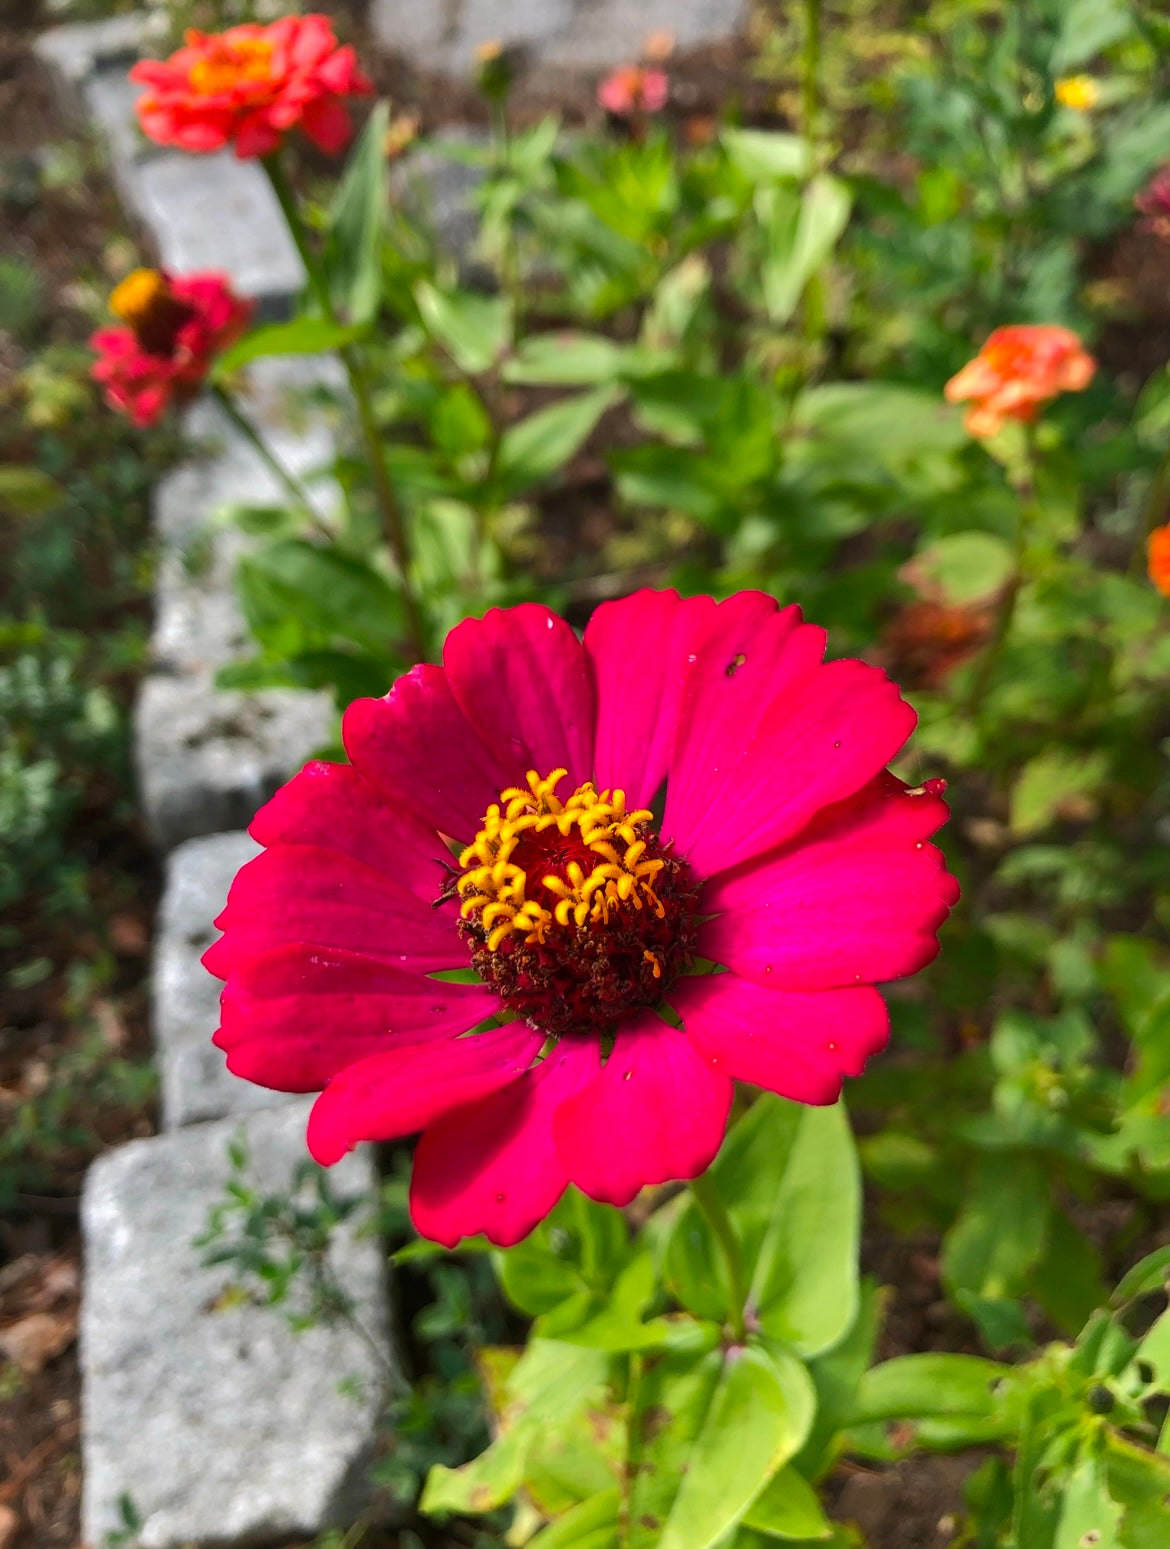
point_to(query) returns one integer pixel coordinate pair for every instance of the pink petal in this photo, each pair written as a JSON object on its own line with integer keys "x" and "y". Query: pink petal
{"x": 885, "y": 809}
{"x": 300, "y": 893}
{"x": 657, "y": 1112}
{"x": 297, "y": 1040}
{"x": 638, "y": 651}
{"x": 492, "y": 1167}
{"x": 420, "y": 755}
{"x": 768, "y": 736}
{"x": 799, "y": 1045}
{"x": 413, "y": 1085}
{"x": 737, "y": 657}
{"x": 521, "y": 677}
{"x": 835, "y": 913}
{"x": 332, "y": 806}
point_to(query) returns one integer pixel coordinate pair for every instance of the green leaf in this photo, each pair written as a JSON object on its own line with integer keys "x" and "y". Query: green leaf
{"x": 538, "y": 446}
{"x": 303, "y": 336}
{"x": 580, "y": 1246}
{"x": 1057, "y": 783}
{"x": 1149, "y": 1274}
{"x": 764, "y": 156}
{"x": 964, "y": 567}
{"x": 357, "y": 221}
{"x": 1088, "y": 1514}
{"x": 474, "y": 330}
{"x": 481, "y": 1485}
{"x": 298, "y": 596}
{"x": 1140, "y": 1481}
{"x": 1001, "y": 1229}
{"x": 708, "y": 1437}
{"x": 798, "y": 240}
{"x": 788, "y": 1507}
{"x": 805, "y": 1283}
{"x": 565, "y": 360}
{"x": 591, "y": 1525}
{"x": 930, "y": 1386}
{"x": 27, "y": 491}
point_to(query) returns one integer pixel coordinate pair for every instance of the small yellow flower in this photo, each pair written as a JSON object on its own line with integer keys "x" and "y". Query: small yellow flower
{"x": 1079, "y": 92}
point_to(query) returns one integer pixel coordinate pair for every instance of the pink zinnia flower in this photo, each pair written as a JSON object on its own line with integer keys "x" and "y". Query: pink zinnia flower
{"x": 248, "y": 86}
{"x": 630, "y": 90}
{"x": 174, "y": 327}
{"x": 498, "y": 816}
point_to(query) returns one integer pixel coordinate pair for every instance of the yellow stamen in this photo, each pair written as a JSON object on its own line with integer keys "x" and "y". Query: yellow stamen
{"x": 494, "y": 885}
{"x": 242, "y": 62}
{"x": 138, "y": 296}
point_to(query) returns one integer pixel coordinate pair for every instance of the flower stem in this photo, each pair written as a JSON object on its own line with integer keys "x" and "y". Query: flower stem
{"x": 256, "y": 441}
{"x": 706, "y": 1197}
{"x": 1025, "y": 487}
{"x": 811, "y": 71}
{"x": 384, "y": 493}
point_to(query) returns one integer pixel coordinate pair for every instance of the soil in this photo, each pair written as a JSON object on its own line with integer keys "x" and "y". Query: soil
{"x": 912, "y": 1505}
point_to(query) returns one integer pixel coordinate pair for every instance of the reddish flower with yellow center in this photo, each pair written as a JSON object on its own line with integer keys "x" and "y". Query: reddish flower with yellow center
{"x": 661, "y": 859}
{"x": 173, "y": 328}
{"x": 1018, "y": 369}
{"x": 249, "y": 86}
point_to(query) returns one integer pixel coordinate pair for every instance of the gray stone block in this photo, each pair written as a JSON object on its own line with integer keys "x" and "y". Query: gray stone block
{"x": 580, "y": 34}
{"x": 215, "y": 212}
{"x": 109, "y": 97}
{"x": 195, "y": 1082}
{"x": 207, "y": 759}
{"x": 75, "y": 51}
{"x": 219, "y": 1423}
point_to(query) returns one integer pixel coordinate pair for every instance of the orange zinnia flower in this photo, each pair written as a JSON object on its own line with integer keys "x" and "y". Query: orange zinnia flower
{"x": 248, "y": 86}
{"x": 1159, "y": 556}
{"x": 1017, "y": 370}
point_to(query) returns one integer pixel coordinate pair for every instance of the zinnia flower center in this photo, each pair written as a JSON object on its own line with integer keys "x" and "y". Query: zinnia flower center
{"x": 575, "y": 912}
{"x": 146, "y": 302}
{"x": 229, "y": 63}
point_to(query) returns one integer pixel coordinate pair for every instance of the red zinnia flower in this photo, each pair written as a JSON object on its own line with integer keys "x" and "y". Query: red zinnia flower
{"x": 1018, "y": 369}
{"x": 249, "y": 86}
{"x": 174, "y": 330}
{"x": 1158, "y": 551}
{"x": 630, "y": 89}
{"x": 497, "y": 817}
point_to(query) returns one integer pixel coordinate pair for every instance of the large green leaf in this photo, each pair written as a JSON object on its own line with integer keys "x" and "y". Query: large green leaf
{"x": 707, "y": 1437}
{"x": 592, "y": 1524}
{"x": 357, "y": 220}
{"x": 789, "y": 1176}
{"x": 805, "y": 1284}
{"x": 536, "y": 447}
{"x": 303, "y": 336}
{"x": 798, "y": 239}
{"x": 1001, "y": 1230}
{"x": 763, "y": 156}
{"x": 788, "y": 1507}
{"x": 474, "y": 330}
{"x": 929, "y": 1386}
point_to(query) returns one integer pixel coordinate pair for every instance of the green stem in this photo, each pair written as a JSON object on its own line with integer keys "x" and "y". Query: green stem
{"x": 254, "y": 439}
{"x": 811, "y": 71}
{"x": 706, "y": 1197}
{"x": 1026, "y": 490}
{"x": 384, "y": 493}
